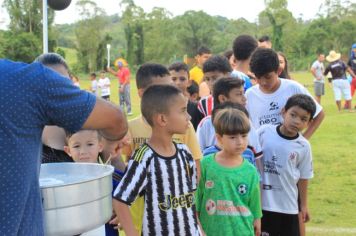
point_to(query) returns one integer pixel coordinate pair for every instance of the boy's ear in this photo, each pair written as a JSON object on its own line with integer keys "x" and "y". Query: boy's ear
{"x": 160, "y": 119}
{"x": 222, "y": 98}
{"x": 218, "y": 138}
{"x": 140, "y": 92}
{"x": 67, "y": 150}
{"x": 283, "y": 112}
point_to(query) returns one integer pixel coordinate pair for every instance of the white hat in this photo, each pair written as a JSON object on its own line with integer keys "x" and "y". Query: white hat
{"x": 333, "y": 56}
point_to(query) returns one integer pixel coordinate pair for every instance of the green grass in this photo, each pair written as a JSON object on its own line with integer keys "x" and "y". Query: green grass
{"x": 332, "y": 191}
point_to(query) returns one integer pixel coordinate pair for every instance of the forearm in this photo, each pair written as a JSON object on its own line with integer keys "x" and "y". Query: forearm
{"x": 351, "y": 72}
{"x": 314, "y": 125}
{"x": 108, "y": 119}
{"x": 303, "y": 191}
{"x": 125, "y": 218}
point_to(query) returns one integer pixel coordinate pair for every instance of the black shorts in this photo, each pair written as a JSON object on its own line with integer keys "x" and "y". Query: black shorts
{"x": 279, "y": 224}
{"x": 107, "y": 97}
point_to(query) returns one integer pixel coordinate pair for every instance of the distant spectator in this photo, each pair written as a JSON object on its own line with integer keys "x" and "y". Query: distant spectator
{"x": 283, "y": 71}
{"x": 264, "y": 42}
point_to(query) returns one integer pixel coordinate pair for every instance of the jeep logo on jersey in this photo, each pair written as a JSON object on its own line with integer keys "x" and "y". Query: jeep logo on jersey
{"x": 273, "y": 106}
{"x": 183, "y": 201}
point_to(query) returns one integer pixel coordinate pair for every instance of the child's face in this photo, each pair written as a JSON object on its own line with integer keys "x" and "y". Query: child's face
{"x": 92, "y": 78}
{"x": 296, "y": 119}
{"x": 269, "y": 82}
{"x": 237, "y": 95}
{"x": 102, "y": 75}
{"x": 233, "y": 144}
{"x": 178, "y": 117}
{"x": 180, "y": 79}
{"x": 201, "y": 59}
{"x": 282, "y": 63}
{"x": 211, "y": 77}
{"x": 84, "y": 146}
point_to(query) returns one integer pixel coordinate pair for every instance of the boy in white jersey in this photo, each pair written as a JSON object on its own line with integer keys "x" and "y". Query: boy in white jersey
{"x": 161, "y": 170}
{"x": 266, "y": 100}
{"x": 287, "y": 167}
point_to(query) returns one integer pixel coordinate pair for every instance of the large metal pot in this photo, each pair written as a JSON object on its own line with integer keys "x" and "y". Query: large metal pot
{"x": 76, "y": 196}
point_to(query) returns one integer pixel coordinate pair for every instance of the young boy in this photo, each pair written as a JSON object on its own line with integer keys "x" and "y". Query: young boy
{"x": 196, "y": 73}
{"x": 228, "y": 195}
{"x": 266, "y": 100}
{"x": 243, "y": 47}
{"x": 286, "y": 168}
{"x": 93, "y": 84}
{"x": 140, "y": 131}
{"x": 84, "y": 146}
{"x": 161, "y": 170}
{"x": 180, "y": 75}
{"x": 215, "y": 68}
{"x": 193, "y": 90}
{"x": 104, "y": 85}
{"x": 227, "y": 90}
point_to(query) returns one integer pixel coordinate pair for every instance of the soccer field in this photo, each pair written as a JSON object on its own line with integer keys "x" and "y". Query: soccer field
{"x": 332, "y": 191}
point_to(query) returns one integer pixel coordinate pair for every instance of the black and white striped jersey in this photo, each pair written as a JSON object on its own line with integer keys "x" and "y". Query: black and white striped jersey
{"x": 168, "y": 185}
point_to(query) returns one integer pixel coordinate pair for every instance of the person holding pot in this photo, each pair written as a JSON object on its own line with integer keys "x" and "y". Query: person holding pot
{"x": 33, "y": 96}
{"x": 341, "y": 86}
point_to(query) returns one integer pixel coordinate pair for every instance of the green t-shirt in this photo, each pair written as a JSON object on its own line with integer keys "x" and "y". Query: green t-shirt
{"x": 228, "y": 199}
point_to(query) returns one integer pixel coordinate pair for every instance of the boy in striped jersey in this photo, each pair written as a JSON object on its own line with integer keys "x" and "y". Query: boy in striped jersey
{"x": 161, "y": 170}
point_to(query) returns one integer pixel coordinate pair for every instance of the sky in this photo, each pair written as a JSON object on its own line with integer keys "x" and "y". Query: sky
{"x": 232, "y": 9}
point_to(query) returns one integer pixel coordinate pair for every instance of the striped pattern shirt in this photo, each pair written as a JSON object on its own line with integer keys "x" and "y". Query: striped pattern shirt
{"x": 168, "y": 185}
{"x": 206, "y": 105}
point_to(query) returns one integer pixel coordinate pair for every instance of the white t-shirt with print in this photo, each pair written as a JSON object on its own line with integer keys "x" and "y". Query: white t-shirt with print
{"x": 285, "y": 161}
{"x": 266, "y": 108}
{"x": 319, "y": 71}
{"x": 104, "y": 85}
{"x": 206, "y": 136}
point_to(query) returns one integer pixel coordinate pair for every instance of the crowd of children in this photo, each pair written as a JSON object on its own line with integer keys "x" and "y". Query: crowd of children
{"x": 234, "y": 162}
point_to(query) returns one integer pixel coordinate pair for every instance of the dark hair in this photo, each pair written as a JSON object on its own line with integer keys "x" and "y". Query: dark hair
{"x": 243, "y": 47}
{"x": 177, "y": 66}
{"x": 228, "y": 105}
{"x": 264, "y": 38}
{"x": 228, "y": 54}
{"x": 93, "y": 74}
{"x": 217, "y": 63}
{"x": 193, "y": 88}
{"x": 147, "y": 71}
{"x": 303, "y": 101}
{"x": 157, "y": 99}
{"x": 224, "y": 86}
{"x": 203, "y": 50}
{"x": 231, "y": 121}
{"x": 50, "y": 59}
{"x": 264, "y": 61}
{"x": 285, "y": 73}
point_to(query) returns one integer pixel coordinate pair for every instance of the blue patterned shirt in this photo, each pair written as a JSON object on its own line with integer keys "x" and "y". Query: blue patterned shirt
{"x": 31, "y": 96}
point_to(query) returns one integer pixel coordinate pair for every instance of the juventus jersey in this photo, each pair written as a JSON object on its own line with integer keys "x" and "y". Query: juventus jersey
{"x": 168, "y": 185}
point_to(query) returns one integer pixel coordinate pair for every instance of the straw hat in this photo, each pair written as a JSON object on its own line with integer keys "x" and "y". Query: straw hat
{"x": 333, "y": 56}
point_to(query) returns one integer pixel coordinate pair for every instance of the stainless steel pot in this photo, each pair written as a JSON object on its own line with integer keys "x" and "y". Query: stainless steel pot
{"x": 76, "y": 196}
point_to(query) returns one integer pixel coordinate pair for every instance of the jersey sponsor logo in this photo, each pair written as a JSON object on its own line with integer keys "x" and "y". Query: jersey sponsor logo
{"x": 226, "y": 208}
{"x": 271, "y": 167}
{"x": 273, "y": 119}
{"x": 210, "y": 207}
{"x": 242, "y": 189}
{"x": 273, "y": 106}
{"x": 174, "y": 202}
{"x": 209, "y": 184}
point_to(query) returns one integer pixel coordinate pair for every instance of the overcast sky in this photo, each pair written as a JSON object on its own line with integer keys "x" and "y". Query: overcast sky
{"x": 232, "y": 9}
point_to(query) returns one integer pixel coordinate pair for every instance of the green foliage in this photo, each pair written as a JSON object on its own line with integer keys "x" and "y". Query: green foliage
{"x": 61, "y": 52}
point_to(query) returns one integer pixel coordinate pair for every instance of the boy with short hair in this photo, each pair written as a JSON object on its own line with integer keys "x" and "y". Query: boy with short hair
{"x": 266, "y": 99}
{"x": 228, "y": 195}
{"x": 140, "y": 131}
{"x": 317, "y": 69}
{"x": 243, "y": 47}
{"x": 180, "y": 75}
{"x": 215, "y": 68}
{"x": 161, "y": 170}
{"x": 104, "y": 85}
{"x": 286, "y": 168}
{"x": 193, "y": 90}
{"x": 196, "y": 73}
{"x": 93, "y": 83}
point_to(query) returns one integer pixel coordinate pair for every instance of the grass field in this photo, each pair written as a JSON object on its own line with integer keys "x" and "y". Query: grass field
{"x": 332, "y": 192}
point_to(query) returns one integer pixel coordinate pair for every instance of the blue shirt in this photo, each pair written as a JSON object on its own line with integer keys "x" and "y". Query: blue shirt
{"x": 244, "y": 77}
{"x": 31, "y": 96}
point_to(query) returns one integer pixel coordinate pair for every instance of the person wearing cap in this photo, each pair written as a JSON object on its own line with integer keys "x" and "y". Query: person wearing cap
{"x": 123, "y": 75}
{"x": 341, "y": 86}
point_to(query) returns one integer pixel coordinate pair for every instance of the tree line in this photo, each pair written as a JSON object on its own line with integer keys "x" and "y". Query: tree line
{"x": 157, "y": 36}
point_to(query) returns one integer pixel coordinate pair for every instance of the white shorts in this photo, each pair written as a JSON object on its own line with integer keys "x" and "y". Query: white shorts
{"x": 341, "y": 86}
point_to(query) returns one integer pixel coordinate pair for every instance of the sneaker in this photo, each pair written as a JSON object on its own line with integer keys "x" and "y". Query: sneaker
{"x": 129, "y": 113}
